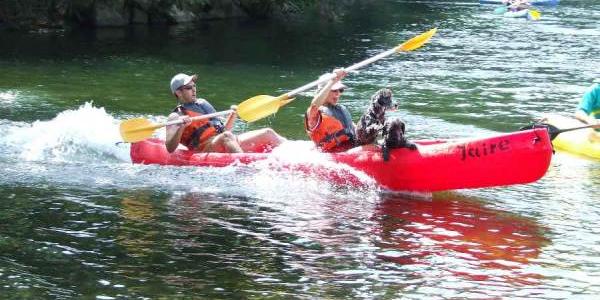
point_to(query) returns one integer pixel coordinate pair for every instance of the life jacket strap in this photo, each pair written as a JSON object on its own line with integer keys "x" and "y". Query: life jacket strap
{"x": 198, "y": 133}
{"x": 335, "y": 136}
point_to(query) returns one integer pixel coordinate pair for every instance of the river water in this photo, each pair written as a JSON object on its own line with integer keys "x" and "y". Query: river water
{"x": 78, "y": 220}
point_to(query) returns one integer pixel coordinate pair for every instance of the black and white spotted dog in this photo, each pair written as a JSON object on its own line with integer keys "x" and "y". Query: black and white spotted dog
{"x": 372, "y": 122}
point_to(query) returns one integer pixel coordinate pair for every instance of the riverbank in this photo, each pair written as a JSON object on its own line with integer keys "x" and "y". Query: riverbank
{"x": 59, "y": 14}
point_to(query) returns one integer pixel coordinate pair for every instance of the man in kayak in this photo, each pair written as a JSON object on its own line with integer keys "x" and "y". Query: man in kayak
{"x": 588, "y": 110}
{"x": 328, "y": 123}
{"x": 209, "y": 135}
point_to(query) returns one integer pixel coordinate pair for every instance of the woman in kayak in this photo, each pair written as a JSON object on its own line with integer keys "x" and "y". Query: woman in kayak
{"x": 328, "y": 123}
{"x": 209, "y": 135}
{"x": 588, "y": 110}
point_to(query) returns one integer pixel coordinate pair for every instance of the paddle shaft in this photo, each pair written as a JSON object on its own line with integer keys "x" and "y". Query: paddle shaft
{"x": 180, "y": 121}
{"x": 353, "y": 67}
{"x": 260, "y": 106}
{"x": 202, "y": 117}
{"x": 576, "y": 128}
{"x": 553, "y": 131}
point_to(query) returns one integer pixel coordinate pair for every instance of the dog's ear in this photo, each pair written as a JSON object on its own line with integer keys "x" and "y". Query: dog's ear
{"x": 375, "y": 98}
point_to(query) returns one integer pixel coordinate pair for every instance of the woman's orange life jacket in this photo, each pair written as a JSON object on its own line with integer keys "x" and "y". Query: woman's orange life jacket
{"x": 199, "y": 131}
{"x": 334, "y": 130}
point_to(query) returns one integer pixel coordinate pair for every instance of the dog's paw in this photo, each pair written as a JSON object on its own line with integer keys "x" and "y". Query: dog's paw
{"x": 374, "y": 127}
{"x": 385, "y": 151}
{"x": 411, "y": 145}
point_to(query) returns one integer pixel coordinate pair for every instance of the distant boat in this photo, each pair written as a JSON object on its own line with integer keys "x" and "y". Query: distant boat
{"x": 534, "y": 2}
{"x": 517, "y": 14}
{"x": 524, "y": 13}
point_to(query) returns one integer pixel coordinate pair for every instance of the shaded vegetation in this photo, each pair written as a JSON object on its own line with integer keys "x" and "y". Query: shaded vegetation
{"x": 95, "y": 13}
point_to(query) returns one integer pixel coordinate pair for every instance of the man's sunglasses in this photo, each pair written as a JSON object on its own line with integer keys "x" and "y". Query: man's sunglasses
{"x": 188, "y": 87}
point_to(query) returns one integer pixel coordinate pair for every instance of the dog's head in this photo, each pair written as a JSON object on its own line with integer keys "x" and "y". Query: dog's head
{"x": 393, "y": 133}
{"x": 383, "y": 100}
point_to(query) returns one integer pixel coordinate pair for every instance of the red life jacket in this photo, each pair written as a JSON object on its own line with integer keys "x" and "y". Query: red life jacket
{"x": 334, "y": 130}
{"x": 199, "y": 131}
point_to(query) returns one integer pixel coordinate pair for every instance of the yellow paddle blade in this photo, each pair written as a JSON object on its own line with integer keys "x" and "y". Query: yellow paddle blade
{"x": 260, "y": 106}
{"x": 135, "y": 130}
{"x": 534, "y": 14}
{"x": 284, "y": 102}
{"x": 417, "y": 41}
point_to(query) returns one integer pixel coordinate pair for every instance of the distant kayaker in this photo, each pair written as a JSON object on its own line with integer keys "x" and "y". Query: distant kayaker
{"x": 517, "y": 5}
{"x": 588, "y": 110}
{"x": 328, "y": 123}
{"x": 209, "y": 135}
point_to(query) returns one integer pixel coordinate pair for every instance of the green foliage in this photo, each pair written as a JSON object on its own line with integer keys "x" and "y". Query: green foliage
{"x": 14, "y": 12}
{"x": 265, "y": 8}
{"x": 53, "y": 13}
{"x": 40, "y": 13}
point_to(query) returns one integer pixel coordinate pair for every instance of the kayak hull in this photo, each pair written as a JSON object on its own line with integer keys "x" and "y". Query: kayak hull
{"x": 576, "y": 141}
{"x": 517, "y": 14}
{"x": 503, "y": 159}
{"x": 534, "y": 2}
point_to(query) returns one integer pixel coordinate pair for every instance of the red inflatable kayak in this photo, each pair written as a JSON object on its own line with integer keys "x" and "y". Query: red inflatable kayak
{"x": 503, "y": 159}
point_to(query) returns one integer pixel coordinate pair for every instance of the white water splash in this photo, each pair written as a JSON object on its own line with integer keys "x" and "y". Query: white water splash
{"x": 305, "y": 153}
{"x": 7, "y": 98}
{"x": 87, "y": 133}
{"x": 278, "y": 175}
{"x": 78, "y": 148}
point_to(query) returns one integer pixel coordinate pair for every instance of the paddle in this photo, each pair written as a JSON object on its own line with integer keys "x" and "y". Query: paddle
{"x": 554, "y": 131}
{"x": 135, "y": 130}
{"x": 534, "y": 14}
{"x": 261, "y": 106}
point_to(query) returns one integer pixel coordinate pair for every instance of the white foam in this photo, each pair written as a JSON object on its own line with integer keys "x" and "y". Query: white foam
{"x": 86, "y": 133}
{"x": 304, "y": 152}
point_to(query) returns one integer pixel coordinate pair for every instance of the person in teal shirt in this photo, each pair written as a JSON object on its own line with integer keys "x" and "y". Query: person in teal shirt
{"x": 588, "y": 110}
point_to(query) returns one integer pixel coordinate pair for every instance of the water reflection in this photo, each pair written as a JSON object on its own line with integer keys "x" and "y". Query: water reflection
{"x": 138, "y": 214}
{"x": 459, "y": 235}
{"x": 379, "y": 242}
{"x": 342, "y": 243}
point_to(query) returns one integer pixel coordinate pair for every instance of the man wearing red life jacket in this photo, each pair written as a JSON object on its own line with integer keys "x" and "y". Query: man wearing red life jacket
{"x": 209, "y": 135}
{"x": 328, "y": 123}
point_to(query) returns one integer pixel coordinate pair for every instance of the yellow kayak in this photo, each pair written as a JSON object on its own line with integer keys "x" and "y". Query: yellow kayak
{"x": 576, "y": 141}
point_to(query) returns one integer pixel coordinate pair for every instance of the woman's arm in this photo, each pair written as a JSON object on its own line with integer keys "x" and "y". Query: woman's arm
{"x": 585, "y": 118}
{"x": 321, "y": 96}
